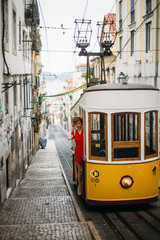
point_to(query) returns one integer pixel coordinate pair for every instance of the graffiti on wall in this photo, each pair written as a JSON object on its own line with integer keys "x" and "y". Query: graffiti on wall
{"x": 8, "y": 133}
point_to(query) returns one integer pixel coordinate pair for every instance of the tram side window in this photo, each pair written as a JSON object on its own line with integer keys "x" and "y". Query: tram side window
{"x": 151, "y": 134}
{"x": 97, "y": 135}
{"x": 126, "y": 136}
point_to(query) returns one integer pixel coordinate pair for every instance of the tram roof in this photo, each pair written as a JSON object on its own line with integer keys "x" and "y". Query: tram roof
{"x": 117, "y": 87}
{"x": 120, "y": 86}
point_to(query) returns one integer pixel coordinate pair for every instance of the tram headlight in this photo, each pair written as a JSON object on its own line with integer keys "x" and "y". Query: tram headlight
{"x": 126, "y": 181}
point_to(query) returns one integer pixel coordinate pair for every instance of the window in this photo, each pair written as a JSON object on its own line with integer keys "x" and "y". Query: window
{"x": 15, "y": 92}
{"x": 20, "y": 28}
{"x": 132, "y": 11}
{"x": 97, "y": 136}
{"x": 24, "y": 93}
{"x": 148, "y": 6}
{"x": 132, "y": 43}
{"x": 6, "y": 103}
{"x": 14, "y": 29}
{"x": 148, "y": 37}
{"x": 120, "y": 47}
{"x": 6, "y": 37}
{"x": 151, "y": 134}
{"x": 126, "y": 136}
{"x": 25, "y": 44}
{"x": 120, "y": 15}
{"x": 20, "y": 80}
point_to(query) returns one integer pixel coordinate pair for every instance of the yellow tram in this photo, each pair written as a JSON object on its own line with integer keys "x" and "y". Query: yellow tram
{"x": 121, "y": 136}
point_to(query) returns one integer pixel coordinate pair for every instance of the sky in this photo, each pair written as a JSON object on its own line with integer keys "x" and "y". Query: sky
{"x": 58, "y": 45}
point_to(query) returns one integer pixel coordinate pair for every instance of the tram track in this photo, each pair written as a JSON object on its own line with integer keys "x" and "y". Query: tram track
{"x": 137, "y": 222}
{"x": 59, "y": 150}
{"x": 132, "y": 224}
{"x": 121, "y": 228}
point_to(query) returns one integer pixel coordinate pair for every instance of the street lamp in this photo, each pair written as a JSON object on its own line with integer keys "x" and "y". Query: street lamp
{"x": 122, "y": 78}
{"x": 106, "y": 35}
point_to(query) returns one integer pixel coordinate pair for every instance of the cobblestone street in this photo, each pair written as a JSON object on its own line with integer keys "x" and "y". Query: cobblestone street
{"x": 41, "y": 207}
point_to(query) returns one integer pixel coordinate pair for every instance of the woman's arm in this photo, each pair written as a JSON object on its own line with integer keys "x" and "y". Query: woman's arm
{"x": 70, "y": 136}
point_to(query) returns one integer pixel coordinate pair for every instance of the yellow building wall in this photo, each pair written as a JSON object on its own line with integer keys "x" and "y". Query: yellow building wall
{"x": 126, "y": 17}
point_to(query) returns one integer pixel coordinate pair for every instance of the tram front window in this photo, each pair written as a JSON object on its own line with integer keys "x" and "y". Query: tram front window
{"x": 126, "y": 136}
{"x": 97, "y": 135}
{"x": 151, "y": 134}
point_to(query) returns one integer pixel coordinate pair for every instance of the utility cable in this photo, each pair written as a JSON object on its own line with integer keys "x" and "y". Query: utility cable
{"x": 45, "y": 32}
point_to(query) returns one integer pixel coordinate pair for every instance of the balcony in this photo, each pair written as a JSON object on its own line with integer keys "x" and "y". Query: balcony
{"x": 36, "y": 42}
{"x": 32, "y": 13}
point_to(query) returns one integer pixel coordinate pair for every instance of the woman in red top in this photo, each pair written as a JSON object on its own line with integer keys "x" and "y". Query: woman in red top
{"x": 78, "y": 136}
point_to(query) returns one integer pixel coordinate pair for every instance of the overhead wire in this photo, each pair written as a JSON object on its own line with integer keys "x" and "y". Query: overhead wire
{"x": 74, "y": 52}
{"x": 56, "y": 28}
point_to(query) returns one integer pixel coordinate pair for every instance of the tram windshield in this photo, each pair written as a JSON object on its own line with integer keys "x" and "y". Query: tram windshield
{"x": 126, "y": 136}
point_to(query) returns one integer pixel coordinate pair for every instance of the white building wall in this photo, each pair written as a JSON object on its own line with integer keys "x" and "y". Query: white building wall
{"x": 15, "y": 151}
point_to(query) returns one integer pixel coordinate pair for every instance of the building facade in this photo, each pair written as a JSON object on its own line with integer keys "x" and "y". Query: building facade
{"x": 17, "y": 35}
{"x": 138, "y": 40}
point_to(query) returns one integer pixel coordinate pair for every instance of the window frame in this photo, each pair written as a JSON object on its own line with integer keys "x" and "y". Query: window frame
{"x": 89, "y": 137}
{"x": 154, "y": 154}
{"x": 126, "y": 144}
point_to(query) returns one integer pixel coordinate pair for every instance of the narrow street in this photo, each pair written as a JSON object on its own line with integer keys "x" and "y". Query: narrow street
{"x": 93, "y": 67}
{"x": 41, "y": 207}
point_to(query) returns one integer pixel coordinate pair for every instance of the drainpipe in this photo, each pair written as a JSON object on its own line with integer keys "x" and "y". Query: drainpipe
{"x": 156, "y": 52}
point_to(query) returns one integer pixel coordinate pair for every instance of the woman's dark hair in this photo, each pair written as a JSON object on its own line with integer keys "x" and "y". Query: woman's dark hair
{"x": 77, "y": 119}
